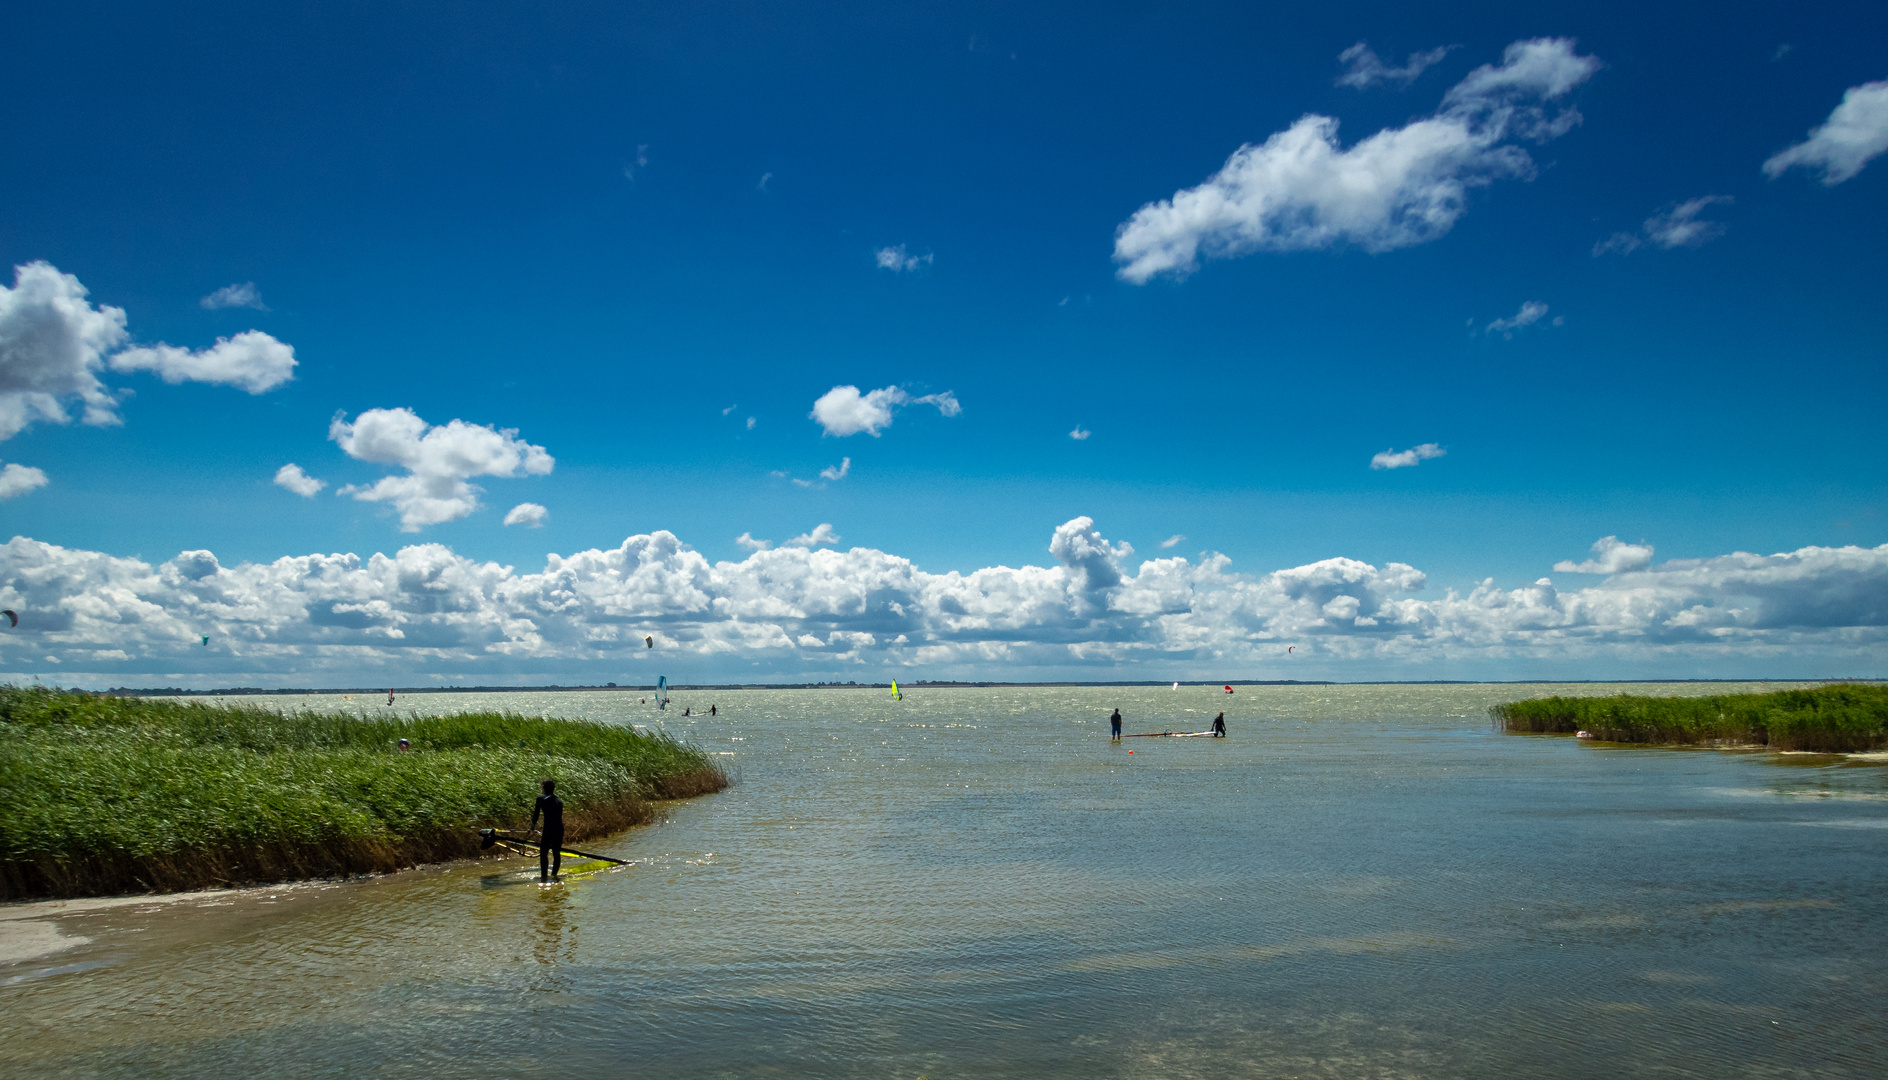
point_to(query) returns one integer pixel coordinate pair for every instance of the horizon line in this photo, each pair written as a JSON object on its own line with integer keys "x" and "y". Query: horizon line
{"x": 941, "y": 684}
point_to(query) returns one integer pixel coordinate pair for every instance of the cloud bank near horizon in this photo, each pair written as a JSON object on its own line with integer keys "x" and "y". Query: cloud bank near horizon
{"x": 806, "y": 611}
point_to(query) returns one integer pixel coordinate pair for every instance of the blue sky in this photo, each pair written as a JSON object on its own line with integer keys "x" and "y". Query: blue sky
{"x": 623, "y": 230}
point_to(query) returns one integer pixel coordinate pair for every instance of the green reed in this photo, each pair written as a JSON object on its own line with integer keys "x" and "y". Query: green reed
{"x": 1831, "y": 719}
{"x": 116, "y": 794}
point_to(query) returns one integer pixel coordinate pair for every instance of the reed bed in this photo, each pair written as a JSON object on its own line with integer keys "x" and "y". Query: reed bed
{"x": 1828, "y": 719}
{"x": 110, "y": 795}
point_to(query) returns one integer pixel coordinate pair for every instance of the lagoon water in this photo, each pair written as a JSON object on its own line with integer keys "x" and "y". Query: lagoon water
{"x": 1363, "y": 881}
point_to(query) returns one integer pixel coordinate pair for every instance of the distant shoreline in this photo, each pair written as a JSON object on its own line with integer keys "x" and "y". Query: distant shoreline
{"x": 1824, "y": 720}
{"x": 244, "y": 691}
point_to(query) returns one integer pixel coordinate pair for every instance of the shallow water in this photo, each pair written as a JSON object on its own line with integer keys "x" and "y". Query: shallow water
{"x": 1361, "y": 881}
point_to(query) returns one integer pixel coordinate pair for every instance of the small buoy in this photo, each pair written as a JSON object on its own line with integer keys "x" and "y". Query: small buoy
{"x": 1130, "y": 751}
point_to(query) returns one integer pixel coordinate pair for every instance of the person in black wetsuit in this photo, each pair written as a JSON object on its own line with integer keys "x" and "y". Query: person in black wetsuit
{"x": 1114, "y": 724}
{"x": 551, "y": 840}
{"x": 1219, "y": 726}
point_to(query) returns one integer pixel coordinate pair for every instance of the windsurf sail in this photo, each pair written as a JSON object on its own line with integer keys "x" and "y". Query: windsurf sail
{"x": 489, "y": 837}
{"x": 1169, "y": 735}
{"x": 896, "y": 696}
{"x": 662, "y": 691}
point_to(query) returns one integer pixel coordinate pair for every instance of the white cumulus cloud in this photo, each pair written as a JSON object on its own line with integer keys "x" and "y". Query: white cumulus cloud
{"x": 1531, "y": 312}
{"x": 837, "y": 472}
{"x": 294, "y": 479}
{"x": 843, "y": 410}
{"x": 52, "y": 346}
{"x": 1677, "y": 226}
{"x": 439, "y": 461}
{"x": 1301, "y": 190}
{"x": 1681, "y": 227}
{"x": 1172, "y": 541}
{"x": 17, "y": 479}
{"x": 54, "y": 343}
{"x": 747, "y": 541}
{"x": 641, "y": 160}
{"x": 822, "y": 534}
{"x": 1364, "y": 69}
{"x": 1080, "y": 433}
{"x": 251, "y": 360}
{"x": 245, "y": 295}
{"x": 531, "y": 515}
{"x": 1403, "y": 459}
{"x": 898, "y": 260}
{"x": 1855, "y": 134}
{"x": 342, "y": 618}
{"x": 1610, "y": 555}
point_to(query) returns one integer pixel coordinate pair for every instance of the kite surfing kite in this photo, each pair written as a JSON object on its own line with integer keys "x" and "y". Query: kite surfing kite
{"x": 206, "y": 639}
{"x": 1229, "y": 689}
{"x": 649, "y": 641}
{"x": 13, "y": 617}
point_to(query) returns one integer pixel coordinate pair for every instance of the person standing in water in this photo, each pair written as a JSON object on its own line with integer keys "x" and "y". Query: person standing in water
{"x": 1114, "y": 725}
{"x": 551, "y": 840}
{"x": 1219, "y": 726}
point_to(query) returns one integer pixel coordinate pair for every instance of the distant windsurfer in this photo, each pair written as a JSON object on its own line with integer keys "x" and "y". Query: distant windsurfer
{"x": 712, "y": 712}
{"x": 389, "y": 697}
{"x": 1219, "y": 726}
{"x": 551, "y": 839}
{"x": 1114, "y": 724}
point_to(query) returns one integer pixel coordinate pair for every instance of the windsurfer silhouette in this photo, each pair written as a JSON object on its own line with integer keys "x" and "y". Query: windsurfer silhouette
{"x": 1114, "y": 724}
{"x": 1219, "y": 726}
{"x": 551, "y": 840}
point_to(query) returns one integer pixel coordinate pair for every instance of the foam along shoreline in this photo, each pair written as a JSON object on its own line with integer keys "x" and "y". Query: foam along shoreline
{"x": 37, "y": 930}
{"x": 29, "y": 929}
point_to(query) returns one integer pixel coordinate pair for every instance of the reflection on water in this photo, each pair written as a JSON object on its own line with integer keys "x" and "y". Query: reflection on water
{"x": 555, "y": 938}
{"x": 1361, "y": 881}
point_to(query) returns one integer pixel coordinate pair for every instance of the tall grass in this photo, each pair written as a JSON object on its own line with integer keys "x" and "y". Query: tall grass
{"x": 108, "y": 795}
{"x": 1830, "y": 719}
